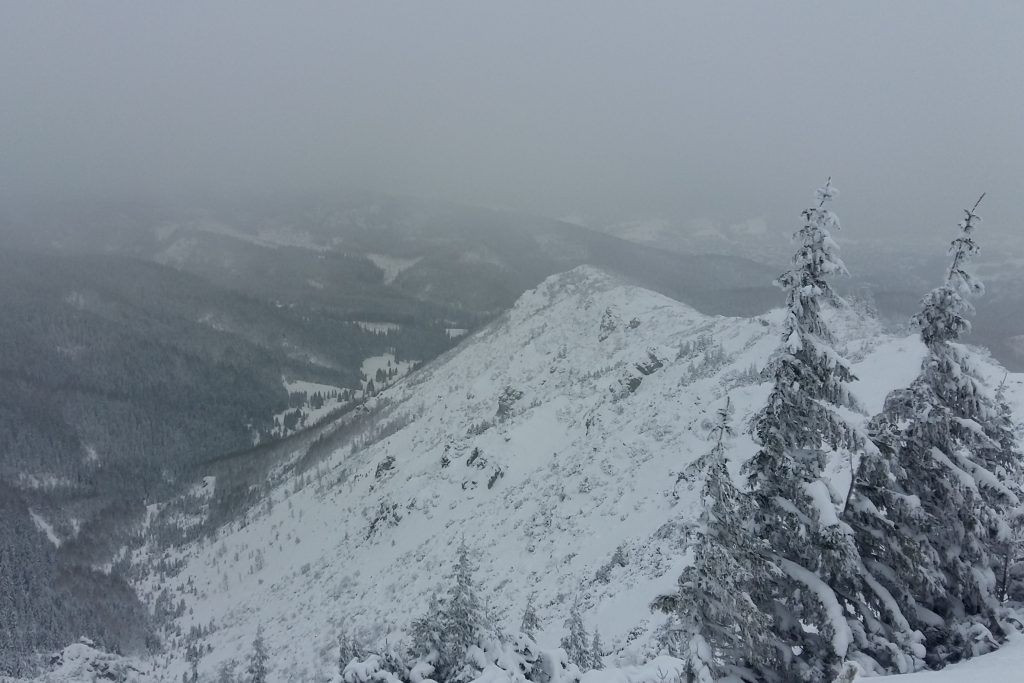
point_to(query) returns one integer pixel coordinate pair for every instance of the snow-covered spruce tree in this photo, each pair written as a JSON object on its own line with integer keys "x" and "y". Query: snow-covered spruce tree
{"x": 454, "y": 626}
{"x": 348, "y": 650}
{"x": 428, "y": 638}
{"x": 531, "y": 622}
{"x": 1013, "y": 548}
{"x": 944, "y": 482}
{"x": 802, "y": 428}
{"x": 886, "y": 522}
{"x": 574, "y": 642}
{"x": 718, "y": 628}
{"x": 596, "y": 651}
{"x": 226, "y": 672}
{"x": 257, "y": 669}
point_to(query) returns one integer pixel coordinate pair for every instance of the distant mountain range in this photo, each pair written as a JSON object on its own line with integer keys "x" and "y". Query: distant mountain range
{"x": 407, "y": 258}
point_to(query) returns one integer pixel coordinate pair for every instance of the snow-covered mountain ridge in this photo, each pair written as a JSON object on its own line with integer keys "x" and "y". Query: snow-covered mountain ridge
{"x": 549, "y": 440}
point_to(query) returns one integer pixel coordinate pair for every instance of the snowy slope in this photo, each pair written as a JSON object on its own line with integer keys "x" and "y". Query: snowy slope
{"x": 547, "y": 440}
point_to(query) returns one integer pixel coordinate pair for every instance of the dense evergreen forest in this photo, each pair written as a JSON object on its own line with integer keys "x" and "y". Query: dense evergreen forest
{"x": 118, "y": 376}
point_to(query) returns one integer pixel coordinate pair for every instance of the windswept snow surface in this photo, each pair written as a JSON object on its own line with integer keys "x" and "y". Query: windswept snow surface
{"x": 613, "y": 388}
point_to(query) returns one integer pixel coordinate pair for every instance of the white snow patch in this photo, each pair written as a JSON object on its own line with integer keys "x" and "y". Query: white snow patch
{"x": 299, "y": 386}
{"x": 308, "y": 414}
{"x": 384, "y": 362}
{"x": 893, "y": 362}
{"x": 841, "y": 634}
{"x": 76, "y": 299}
{"x": 43, "y": 481}
{"x": 45, "y": 527}
{"x": 380, "y": 328}
{"x": 392, "y": 265}
{"x": 92, "y": 456}
{"x": 821, "y": 498}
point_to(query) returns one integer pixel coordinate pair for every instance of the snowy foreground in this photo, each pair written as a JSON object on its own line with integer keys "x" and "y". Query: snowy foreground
{"x": 1005, "y": 665}
{"x": 80, "y": 663}
{"x": 551, "y": 442}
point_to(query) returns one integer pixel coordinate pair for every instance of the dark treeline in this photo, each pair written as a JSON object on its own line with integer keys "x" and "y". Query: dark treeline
{"x": 46, "y": 603}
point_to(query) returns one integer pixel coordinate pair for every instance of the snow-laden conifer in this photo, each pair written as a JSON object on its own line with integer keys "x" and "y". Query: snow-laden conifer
{"x": 596, "y": 651}
{"x": 531, "y": 622}
{"x": 1008, "y": 430}
{"x": 454, "y": 626}
{"x": 718, "y": 628}
{"x": 348, "y": 649}
{"x": 801, "y": 429}
{"x": 257, "y": 669}
{"x": 575, "y": 642}
{"x": 931, "y": 509}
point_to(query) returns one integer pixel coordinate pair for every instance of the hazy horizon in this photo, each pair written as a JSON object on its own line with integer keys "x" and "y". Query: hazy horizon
{"x": 602, "y": 111}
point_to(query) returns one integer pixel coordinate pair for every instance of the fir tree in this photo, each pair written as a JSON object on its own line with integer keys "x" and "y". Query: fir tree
{"x": 453, "y": 624}
{"x": 799, "y": 430}
{"x": 574, "y": 642}
{"x": 257, "y": 668}
{"x": 530, "y": 623}
{"x": 718, "y": 628}
{"x": 226, "y": 672}
{"x": 881, "y": 515}
{"x": 348, "y": 649}
{"x": 1007, "y": 429}
{"x": 465, "y": 617}
{"x": 931, "y": 508}
{"x": 596, "y": 651}
{"x": 427, "y": 632}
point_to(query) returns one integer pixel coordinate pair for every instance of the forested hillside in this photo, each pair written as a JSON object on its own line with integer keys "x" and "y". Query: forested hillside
{"x": 117, "y": 378}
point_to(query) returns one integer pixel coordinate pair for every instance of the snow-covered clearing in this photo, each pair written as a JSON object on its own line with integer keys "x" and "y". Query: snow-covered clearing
{"x": 384, "y": 362}
{"x": 308, "y": 413}
{"x": 299, "y": 386}
{"x": 392, "y": 265}
{"x": 381, "y": 328}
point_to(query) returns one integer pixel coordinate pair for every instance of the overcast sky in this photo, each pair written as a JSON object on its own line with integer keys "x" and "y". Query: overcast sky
{"x": 608, "y": 111}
